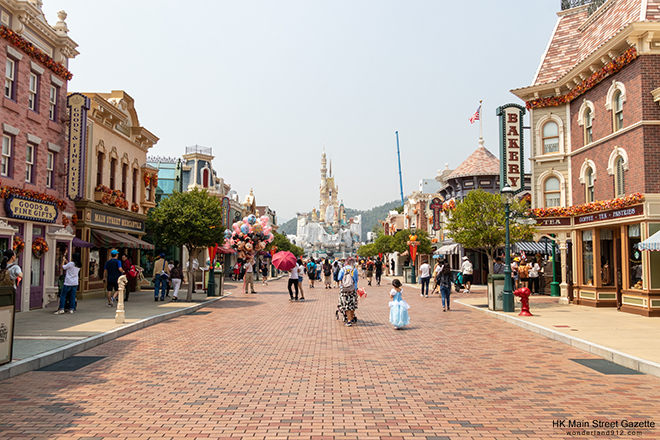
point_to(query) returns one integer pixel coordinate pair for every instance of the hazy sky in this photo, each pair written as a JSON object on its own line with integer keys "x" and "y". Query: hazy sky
{"x": 267, "y": 83}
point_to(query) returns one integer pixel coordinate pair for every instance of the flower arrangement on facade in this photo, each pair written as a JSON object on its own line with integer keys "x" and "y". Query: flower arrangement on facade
{"x": 74, "y": 220}
{"x": 154, "y": 180}
{"x": 449, "y": 205}
{"x": 121, "y": 203}
{"x": 65, "y": 221}
{"x": 103, "y": 189}
{"x": 30, "y": 49}
{"x": 135, "y": 207}
{"x": 587, "y": 208}
{"x": 106, "y": 198}
{"x": 118, "y": 193}
{"x": 39, "y": 246}
{"x": 609, "y": 69}
{"x": 7, "y": 191}
{"x": 18, "y": 245}
{"x": 147, "y": 179}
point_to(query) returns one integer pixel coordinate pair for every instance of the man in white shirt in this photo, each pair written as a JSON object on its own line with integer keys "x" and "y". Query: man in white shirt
{"x": 249, "y": 275}
{"x": 424, "y": 278}
{"x": 467, "y": 270}
{"x": 293, "y": 281}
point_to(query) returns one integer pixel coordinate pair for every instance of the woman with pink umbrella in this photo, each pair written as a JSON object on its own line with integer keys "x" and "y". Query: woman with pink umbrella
{"x": 286, "y": 261}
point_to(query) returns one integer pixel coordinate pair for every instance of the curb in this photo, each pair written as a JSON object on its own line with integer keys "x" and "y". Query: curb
{"x": 66, "y": 351}
{"x": 623, "y": 359}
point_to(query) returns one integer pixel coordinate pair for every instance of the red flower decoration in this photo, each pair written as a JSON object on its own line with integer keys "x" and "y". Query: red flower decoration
{"x": 27, "y": 47}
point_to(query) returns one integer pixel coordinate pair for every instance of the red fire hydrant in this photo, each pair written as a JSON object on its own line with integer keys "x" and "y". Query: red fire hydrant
{"x": 524, "y": 299}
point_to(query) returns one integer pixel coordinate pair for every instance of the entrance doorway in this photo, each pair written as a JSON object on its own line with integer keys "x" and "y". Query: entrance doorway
{"x": 36, "y": 272}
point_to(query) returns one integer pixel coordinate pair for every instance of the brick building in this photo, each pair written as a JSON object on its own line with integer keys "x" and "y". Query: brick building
{"x": 596, "y": 150}
{"x": 33, "y": 115}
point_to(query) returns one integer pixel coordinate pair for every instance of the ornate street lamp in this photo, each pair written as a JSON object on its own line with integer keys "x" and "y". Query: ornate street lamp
{"x": 412, "y": 246}
{"x": 507, "y": 295}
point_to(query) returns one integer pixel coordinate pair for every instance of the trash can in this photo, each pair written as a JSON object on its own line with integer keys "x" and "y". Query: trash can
{"x": 219, "y": 282}
{"x": 7, "y": 310}
{"x": 495, "y": 292}
{"x": 407, "y": 274}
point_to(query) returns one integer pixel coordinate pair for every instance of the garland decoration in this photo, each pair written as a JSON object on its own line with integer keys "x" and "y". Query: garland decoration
{"x": 39, "y": 245}
{"x": 103, "y": 189}
{"x": 18, "y": 245}
{"x": 135, "y": 207}
{"x": 609, "y": 69}
{"x": 587, "y": 208}
{"x": 449, "y": 205}
{"x": 7, "y": 191}
{"x": 147, "y": 179}
{"x": 74, "y": 220}
{"x": 65, "y": 221}
{"x": 30, "y": 49}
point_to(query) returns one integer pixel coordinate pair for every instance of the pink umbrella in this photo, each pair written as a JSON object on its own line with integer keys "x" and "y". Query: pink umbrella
{"x": 284, "y": 260}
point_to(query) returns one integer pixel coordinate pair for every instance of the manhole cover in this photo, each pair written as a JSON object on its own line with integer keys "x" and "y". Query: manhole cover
{"x": 72, "y": 364}
{"x": 605, "y": 367}
{"x": 200, "y": 313}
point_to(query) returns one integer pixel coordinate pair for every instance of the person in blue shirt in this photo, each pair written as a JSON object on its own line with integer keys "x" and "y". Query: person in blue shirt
{"x": 348, "y": 284}
{"x": 311, "y": 272}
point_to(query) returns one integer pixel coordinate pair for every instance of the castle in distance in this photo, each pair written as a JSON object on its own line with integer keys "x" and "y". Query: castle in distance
{"x": 327, "y": 232}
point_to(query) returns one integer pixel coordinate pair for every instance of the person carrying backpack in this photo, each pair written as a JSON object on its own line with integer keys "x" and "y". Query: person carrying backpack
{"x": 10, "y": 273}
{"x": 348, "y": 282}
{"x": 311, "y": 272}
{"x": 327, "y": 274}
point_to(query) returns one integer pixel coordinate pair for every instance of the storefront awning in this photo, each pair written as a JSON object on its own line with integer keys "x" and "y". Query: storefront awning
{"x": 81, "y": 243}
{"x": 107, "y": 239}
{"x": 650, "y": 244}
{"x": 533, "y": 247}
{"x": 447, "y": 249}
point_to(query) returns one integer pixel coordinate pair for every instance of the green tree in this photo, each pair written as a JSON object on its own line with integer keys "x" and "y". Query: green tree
{"x": 384, "y": 244}
{"x": 192, "y": 219}
{"x": 367, "y": 250}
{"x": 283, "y": 244}
{"x": 478, "y": 223}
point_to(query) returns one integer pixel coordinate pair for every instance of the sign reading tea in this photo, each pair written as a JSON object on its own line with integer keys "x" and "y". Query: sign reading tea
{"x": 512, "y": 164}
{"x": 30, "y": 209}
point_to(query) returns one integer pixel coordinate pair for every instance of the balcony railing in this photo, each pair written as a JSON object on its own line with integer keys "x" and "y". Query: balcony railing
{"x": 201, "y": 150}
{"x": 593, "y": 4}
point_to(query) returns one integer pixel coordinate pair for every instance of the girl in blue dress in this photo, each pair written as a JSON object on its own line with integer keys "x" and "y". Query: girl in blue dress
{"x": 398, "y": 307}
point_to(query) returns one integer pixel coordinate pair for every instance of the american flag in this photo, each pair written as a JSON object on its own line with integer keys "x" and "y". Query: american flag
{"x": 475, "y": 116}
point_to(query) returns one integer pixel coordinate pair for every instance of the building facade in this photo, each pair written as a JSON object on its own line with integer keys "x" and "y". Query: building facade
{"x": 33, "y": 167}
{"x": 595, "y": 147}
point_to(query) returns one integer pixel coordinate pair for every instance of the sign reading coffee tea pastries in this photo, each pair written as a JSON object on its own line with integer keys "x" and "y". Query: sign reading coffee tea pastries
{"x": 25, "y": 208}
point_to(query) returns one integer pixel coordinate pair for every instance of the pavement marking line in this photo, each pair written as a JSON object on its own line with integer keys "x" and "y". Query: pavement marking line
{"x": 618, "y": 357}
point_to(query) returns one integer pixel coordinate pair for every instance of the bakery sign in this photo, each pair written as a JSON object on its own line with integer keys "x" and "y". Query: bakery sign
{"x": 25, "y": 208}
{"x": 512, "y": 149}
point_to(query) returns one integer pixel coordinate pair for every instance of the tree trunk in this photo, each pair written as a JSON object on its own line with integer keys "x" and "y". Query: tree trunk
{"x": 491, "y": 262}
{"x": 191, "y": 274}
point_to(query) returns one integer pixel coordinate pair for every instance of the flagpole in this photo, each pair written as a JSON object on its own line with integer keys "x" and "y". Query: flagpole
{"x": 481, "y": 126}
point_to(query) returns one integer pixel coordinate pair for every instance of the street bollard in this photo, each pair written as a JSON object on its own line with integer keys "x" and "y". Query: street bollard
{"x": 119, "y": 314}
{"x": 524, "y": 299}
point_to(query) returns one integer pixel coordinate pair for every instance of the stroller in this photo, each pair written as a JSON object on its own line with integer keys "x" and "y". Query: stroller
{"x": 458, "y": 282}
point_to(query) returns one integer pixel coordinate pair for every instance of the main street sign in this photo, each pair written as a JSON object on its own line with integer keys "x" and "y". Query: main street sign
{"x": 512, "y": 148}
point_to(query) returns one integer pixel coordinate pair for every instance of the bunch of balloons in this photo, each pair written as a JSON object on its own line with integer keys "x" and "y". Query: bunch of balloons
{"x": 250, "y": 235}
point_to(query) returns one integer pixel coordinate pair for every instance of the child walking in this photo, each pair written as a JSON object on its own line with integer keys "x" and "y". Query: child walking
{"x": 398, "y": 307}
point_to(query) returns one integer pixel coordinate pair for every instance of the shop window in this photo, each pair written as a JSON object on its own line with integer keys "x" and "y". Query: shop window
{"x": 618, "y": 111}
{"x": 5, "y": 166}
{"x": 52, "y": 104}
{"x": 113, "y": 172}
{"x": 50, "y": 167}
{"x": 205, "y": 178}
{"x": 606, "y": 257}
{"x": 552, "y": 192}
{"x": 654, "y": 260}
{"x": 99, "y": 168}
{"x": 33, "y": 92}
{"x": 4, "y": 244}
{"x": 550, "y": 137}
{"x": 124, "y": 176}
{"x": 588, "y": 257}
{"x": 94, "y": 264}
{"x": 10, "y": 79}
{"x": 635, "y": 268}
{"x": 135, "y": 181}
{"x": 619, "y": 178}
{"x": 590, "y": 185}
{"x": 588, "y": 127}
{"x": 29, "y": 163}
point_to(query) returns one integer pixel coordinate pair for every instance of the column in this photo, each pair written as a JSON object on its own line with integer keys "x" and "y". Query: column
{"x": 564, "y": 281}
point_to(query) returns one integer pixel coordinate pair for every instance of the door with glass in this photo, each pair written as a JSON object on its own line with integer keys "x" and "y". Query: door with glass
{"x": 36, "y": 271}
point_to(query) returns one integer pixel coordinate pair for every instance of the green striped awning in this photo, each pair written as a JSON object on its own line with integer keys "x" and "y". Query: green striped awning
{"x": 107, "y": 239}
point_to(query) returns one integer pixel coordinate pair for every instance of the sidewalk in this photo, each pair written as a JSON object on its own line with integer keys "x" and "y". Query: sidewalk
{"x": 42, "y": 338}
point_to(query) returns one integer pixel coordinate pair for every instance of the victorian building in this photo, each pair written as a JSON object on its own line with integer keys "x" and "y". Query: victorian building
{"x": 595, "y": 122}
{"x": 33, "y": 166}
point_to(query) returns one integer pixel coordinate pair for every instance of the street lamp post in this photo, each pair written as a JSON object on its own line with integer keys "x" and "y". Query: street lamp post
{"x": 507, "y": 295}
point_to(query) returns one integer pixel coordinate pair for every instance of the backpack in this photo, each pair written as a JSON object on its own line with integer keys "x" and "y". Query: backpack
{"x": 5, "y": 278}
{"x": 132, "y": 272}
{"x": 347, "y": 283}
{"x": 523, "y": 271}
{"x": 327, "y": 270}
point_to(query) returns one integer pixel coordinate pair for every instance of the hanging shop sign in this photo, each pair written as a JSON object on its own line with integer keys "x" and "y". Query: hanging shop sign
{"x": 512, "y": 149}
{"x": 561, "y": 221}
{"x": 25, "y": 208}
{"x": 436, "y": 207}
{"x": 225, "y": 213}
{"x": 78, "y": 105}
{"x": 101, "y": 218}
{"x": 610, "y": 215}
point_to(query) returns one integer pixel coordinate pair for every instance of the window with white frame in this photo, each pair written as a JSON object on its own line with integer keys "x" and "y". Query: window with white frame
{"x": 33, "y": 87}
{"x": 588, "y": 127}
{"x": 550, "y": 137}
{"x": 29, "y": 163}
{"x": 619, "y": 178}
{"x": 50, "y": 168}
{"x": 10, "y": 78}
{"x": 618, "y": 110}
{"x": 589, "y": 180}
{"x": 6, "y": 155}
{"x": 52, "y": 111}
{"x": 552, "y": 192}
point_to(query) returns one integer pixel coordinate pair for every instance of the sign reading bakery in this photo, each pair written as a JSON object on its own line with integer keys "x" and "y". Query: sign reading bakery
{"x": 30, "y": 209}
{"x": 512, "y": 149}
{"x": 78, "y": 105}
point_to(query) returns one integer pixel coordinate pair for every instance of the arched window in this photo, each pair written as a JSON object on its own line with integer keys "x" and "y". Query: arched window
{"x": 550, "y": 137}
{"x": 552, "y": 192}
{"x": 205, "y": 178}
{"x": 618, "y": 110}
{"x": 589, "y": 180}
{"x": 619, "y": 178}
{"x": 588, "y": 129}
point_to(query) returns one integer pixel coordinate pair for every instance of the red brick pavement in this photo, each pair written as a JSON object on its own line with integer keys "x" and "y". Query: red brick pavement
{"x": 260, "y": 367}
